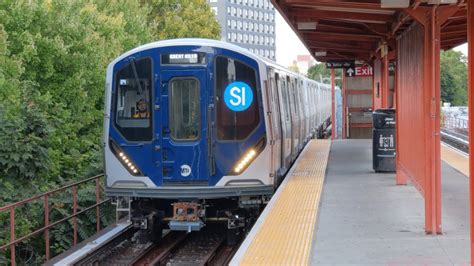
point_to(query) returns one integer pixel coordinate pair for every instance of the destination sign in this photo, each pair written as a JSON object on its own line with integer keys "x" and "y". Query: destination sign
{"x": 183, "y": 58}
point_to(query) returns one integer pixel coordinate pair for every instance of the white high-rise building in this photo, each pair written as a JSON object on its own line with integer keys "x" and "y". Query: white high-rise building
{"x": 247, "y": 23}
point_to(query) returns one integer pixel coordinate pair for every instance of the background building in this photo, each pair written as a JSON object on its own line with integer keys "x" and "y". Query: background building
{"x": 247, "y": 23}
{"x": 304, "y": 62}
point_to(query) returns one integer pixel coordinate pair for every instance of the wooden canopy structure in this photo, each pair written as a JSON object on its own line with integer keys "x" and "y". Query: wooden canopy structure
{"x": 351, "y": 29}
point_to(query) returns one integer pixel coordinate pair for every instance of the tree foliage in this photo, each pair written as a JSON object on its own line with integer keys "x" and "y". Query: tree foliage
{"x": 294, "y": 68}
{"x": 320, "y": 72}
{"x": 454, "y": 77}
{"x": 182, "y": 19}
{"x": 53, "y": 57}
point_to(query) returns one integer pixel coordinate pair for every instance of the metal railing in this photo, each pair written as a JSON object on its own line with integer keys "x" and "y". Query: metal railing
{"x": 455, "y": 124}
{"x": 47, "y": 223}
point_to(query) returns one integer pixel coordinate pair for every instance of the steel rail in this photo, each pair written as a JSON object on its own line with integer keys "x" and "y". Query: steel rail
{"x": 455, "y": 142}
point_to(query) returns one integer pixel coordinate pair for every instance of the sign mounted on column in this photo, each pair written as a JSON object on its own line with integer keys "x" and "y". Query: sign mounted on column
{"x": 340, "y": 64}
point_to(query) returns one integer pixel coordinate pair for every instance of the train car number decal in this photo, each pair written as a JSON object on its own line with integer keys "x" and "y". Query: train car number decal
{"x": 238, "y": 96}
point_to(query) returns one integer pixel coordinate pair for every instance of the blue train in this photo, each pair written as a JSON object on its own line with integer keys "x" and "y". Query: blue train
{"x": 199, "y": 129}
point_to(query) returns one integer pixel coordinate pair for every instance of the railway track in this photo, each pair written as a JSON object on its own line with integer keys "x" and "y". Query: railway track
{"x": 455, "y": 140}
{"x": 206, "y": 247}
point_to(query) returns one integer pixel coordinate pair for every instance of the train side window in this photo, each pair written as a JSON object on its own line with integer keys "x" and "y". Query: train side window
{"x": 184, "y": 109}
{"x": 133, "y": 114}
{"x": 235, "y": 125}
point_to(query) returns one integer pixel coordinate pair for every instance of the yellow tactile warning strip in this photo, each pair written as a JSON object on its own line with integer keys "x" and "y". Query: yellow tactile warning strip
{"x": 455, "y": 159}
{"x": 286, "y": 234}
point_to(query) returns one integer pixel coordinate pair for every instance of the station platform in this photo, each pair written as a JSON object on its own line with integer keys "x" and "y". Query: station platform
{"x": 363, "y": 217}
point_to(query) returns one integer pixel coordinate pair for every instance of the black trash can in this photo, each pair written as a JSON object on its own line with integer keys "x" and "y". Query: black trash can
{"x": 383, "y": 140}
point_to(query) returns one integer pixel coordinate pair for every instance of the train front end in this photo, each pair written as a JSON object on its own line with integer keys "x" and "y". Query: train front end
{"x": 184, "y": 133}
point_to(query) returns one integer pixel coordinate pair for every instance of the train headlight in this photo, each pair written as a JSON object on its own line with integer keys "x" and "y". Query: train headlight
{"x": 125, "y": 160}
{"x": 248, "y": 157}
{"x": 244, "y": 162}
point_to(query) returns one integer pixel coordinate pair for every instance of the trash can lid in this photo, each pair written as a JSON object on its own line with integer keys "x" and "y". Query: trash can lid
{"x": 385, "y": 111}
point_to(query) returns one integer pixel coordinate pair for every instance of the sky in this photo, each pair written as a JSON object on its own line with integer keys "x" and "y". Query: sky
{"x": 288, "y": 45}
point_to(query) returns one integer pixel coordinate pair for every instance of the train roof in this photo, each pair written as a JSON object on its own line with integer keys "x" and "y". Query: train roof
{"x": 209, "y": 43}
{"x": 187, "y": 42}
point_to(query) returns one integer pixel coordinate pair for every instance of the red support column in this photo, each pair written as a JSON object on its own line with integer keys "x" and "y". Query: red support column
{"x": 343, "y": 96}
{"x": 385, "y": 85}
{"x": 436, "y": 120}
{"x": 377, "y": 93}
{"x": 432, "y": 123}
{"x": 333, "y": 104}
{"x": 392, "y": 58}
{"x": 432, "y": 18}
{"x": 428, "y": 181}
{"x": 374, "y": 84}
{"x": 400, "y": 177}
{"x": 395, "y": 85}
{"x": 470, "y": 37}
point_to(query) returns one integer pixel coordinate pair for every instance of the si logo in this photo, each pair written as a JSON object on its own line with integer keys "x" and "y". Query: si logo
{"x": 238, "y": 96}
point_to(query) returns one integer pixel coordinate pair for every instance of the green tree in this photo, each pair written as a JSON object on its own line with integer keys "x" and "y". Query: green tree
{"x": 294, "y": 68}
{"x": 454, "y": 77}
{"x": 320, "y": 71}
{"x": 183, "y": 19}
{"x": 53, "y": 57}
{"x": 60, "y": 50}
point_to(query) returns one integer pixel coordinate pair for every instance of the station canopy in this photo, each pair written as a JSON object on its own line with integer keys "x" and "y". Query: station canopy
{"x": 356, "y": 30}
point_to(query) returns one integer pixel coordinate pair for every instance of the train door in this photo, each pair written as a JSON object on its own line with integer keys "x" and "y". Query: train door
{"x": 286, "y": 121}
{"x": 274, "y": 106}
{"x": 295, "y": 120}
{"x": 310, "y": 107}
{"x": 293, "y": 124}
{"x": 319, "y": 99}
{"x": 181, "y": 142}
{"x": 302, "y": 112}
{"x": 314, "y": 105}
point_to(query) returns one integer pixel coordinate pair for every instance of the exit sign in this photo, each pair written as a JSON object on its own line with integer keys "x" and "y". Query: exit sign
{"x": 359, "y": 71}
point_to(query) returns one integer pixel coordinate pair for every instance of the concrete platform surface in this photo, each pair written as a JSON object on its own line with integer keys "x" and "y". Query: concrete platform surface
{"x": 365, "y": 219}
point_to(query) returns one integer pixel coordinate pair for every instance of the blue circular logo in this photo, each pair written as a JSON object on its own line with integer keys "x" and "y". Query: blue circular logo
{"x": 238, "y": 96}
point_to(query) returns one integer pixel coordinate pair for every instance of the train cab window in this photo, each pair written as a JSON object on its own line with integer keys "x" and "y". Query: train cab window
{"x": 132, "y": 102}
{"x": 235, "y": 125}
{"x": 184, "y": 109}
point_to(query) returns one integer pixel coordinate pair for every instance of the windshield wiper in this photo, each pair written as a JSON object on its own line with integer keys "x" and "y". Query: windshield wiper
{"x": 135, "y": 74}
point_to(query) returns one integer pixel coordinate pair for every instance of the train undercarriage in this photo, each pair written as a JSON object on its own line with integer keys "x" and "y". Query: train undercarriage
{"x": 153, "y": 216}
